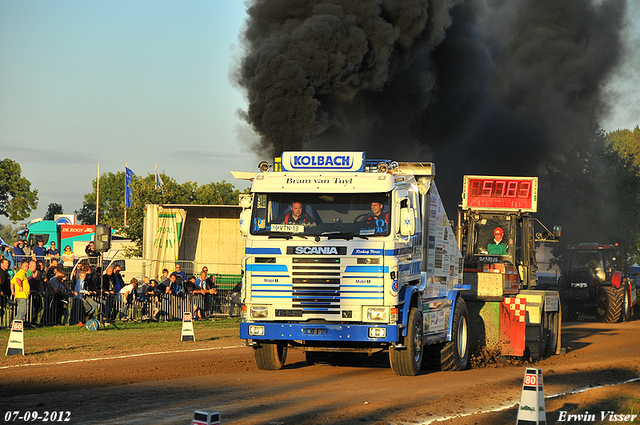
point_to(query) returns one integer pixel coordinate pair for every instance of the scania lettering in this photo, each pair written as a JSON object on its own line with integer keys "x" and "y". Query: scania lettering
{"x": 347, "y": 257}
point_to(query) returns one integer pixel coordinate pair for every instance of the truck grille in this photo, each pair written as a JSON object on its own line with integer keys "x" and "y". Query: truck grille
{"x": 316, "y": 285}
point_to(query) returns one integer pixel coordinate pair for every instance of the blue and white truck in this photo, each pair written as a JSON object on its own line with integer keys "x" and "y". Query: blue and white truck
{"x": 348, "y": 255}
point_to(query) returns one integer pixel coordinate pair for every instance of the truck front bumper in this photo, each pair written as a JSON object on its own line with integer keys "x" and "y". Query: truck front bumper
{"x": 319, "y": 332}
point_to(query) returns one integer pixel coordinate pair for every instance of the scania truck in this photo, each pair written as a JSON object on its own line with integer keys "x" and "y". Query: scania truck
{"x": 348, "y": 255}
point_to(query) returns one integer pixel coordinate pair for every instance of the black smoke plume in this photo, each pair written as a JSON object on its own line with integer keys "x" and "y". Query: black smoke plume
{"x": 478, "y": 87}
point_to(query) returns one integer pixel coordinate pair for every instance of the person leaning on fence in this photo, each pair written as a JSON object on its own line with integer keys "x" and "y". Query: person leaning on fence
{"x": 36, "y": 285}
{"x": 127, "y": 295}
{"x": 21, "y": 290}
{"x": 58, "y": 297}
{"x": 5, "y": 286}
{"x": 68, "y": 258}
{"x": 83, "y": 295}
{"x": 39, "y": 251}
{"x": 191, "y": 291}
{"x": 109, "y": 291}
{"x": 235, "y": 298}
{"x": 6, "y": 253}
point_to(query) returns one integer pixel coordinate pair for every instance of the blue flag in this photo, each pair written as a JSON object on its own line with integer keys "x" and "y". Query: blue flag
{"x": 128, "y": 175}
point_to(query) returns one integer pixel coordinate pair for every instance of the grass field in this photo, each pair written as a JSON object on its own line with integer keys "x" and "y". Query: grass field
{"x": 72, "y": 342}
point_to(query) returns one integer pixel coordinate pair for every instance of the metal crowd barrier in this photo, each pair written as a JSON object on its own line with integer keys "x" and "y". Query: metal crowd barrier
{"x": 54, "y": 310}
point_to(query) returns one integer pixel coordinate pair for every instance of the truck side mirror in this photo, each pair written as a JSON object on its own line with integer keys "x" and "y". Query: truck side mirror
{"x": 407, "y": 222}
{"x": 557, "y": 232}
{"x": 245, "y": 222}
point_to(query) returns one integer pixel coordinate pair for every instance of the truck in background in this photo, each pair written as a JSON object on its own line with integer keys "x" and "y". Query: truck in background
{"x": 593, "y": 283}
{"x": 343, "y": 280}
{"x": 496, "y": 234}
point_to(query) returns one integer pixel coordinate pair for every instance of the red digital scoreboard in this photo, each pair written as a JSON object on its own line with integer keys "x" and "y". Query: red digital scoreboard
{"x": 500, "y": 193}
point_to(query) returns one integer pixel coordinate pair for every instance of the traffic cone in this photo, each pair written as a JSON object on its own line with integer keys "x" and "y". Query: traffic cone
{"x": 187, "y": 327}
{"x": 16, "y": 339}
{"x": 531, "y": 409}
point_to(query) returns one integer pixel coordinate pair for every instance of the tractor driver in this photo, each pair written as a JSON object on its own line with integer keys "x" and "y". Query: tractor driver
{"x": 498, "y": 245}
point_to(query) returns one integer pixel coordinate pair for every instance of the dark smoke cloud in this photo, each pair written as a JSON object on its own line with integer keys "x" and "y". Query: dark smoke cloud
{"x": 495, "y": 86}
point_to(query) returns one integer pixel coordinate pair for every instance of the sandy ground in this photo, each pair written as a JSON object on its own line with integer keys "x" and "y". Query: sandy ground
{"x": 165, "y": 384}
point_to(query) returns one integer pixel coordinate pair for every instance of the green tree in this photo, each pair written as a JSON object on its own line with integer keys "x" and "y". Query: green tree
{"x": 111, "y": 201}
{"x": 17, "y": 199}
{"x": 8, "y": 234}
{"x": 53, "y": 210}
{"x": 144, "y": 191}
{"x": 593, "y": 191}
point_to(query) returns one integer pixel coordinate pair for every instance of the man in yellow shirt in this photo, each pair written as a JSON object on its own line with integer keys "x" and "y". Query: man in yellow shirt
{"x": 20, "y": 288}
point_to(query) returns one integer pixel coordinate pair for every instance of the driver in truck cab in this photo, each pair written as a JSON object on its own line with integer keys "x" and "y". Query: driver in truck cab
{"x": 296, "y": 215}
{"x": 498, "y": 245}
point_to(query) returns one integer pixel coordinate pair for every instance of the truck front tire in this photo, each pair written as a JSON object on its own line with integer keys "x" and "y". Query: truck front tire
{"x": 407, "y": 361}
{"x": 609, "y": 304}
{"x": 452, "y": 355}
{"x": 270, "y": 355}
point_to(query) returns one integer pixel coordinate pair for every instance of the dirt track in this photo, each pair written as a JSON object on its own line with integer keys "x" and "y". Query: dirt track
{"x": 168, "y": 386}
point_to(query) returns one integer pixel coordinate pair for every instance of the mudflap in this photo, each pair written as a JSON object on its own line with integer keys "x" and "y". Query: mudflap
{"x": 513, "y": 326}
{"x": 497, "y": 327}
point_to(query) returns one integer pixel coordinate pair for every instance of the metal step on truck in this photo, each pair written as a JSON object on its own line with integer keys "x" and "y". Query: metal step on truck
{"x": 346, "y": 257}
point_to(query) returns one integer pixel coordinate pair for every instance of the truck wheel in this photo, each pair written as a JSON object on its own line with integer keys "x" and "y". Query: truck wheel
{"x": 407, "y": 361}
{"x": 270, "y": 355}
{"x": 626, "y": 311}
{"x": 454, "y": 354}
{"x": 609, "y": 305}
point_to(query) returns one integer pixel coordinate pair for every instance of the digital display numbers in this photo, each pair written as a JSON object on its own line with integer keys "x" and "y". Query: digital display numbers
{"x": 500, "y": 193}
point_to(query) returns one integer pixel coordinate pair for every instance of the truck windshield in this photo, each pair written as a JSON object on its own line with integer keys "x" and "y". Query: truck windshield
{"x": 493, "y": 235}
{"x": 322, "y": 214}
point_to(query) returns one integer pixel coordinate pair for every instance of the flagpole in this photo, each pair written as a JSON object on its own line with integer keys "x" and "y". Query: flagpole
{"x": 125, "y": 194}
{"x": 98, "y": 194}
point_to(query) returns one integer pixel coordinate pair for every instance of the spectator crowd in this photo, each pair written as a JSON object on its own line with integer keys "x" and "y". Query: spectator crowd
{"x": 43, "y": 287}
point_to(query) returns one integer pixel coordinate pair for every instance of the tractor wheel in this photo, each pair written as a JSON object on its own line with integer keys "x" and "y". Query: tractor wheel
{"x": 551, "y": 332}
{"x": 569, "y": 312}
{"x": 270, "y": 355}
{"x": 609, "y": 304}
{"x": 626, "y": 311}
{"x": 407, "y": 360}
{"x": 454, "y": 354}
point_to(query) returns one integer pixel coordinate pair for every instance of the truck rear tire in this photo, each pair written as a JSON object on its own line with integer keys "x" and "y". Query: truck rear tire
{"x": 270, "y": 355}
{"x": 626, "y": 311}
{"x": 454, "y": 354}
{"x": 609, "y": 304}
{"x": 407, "y": 361}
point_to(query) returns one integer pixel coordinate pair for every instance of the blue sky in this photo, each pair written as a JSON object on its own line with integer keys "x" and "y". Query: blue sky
{"x": 140, "y": 82}
{"x": 145, "y": 82}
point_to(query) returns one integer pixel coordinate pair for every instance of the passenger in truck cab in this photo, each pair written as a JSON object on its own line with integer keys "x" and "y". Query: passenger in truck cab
{"x": 296, "y": 215}
{"x": 378, "y": 217}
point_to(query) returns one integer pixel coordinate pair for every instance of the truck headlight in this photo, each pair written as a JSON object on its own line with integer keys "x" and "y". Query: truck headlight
{"x": 256, "y": 330}
{"x": 579, "y": 284}
{"x": 377, "y": 332}
{"x": 376, "y": 314}
{"x": 259, "y": 312}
